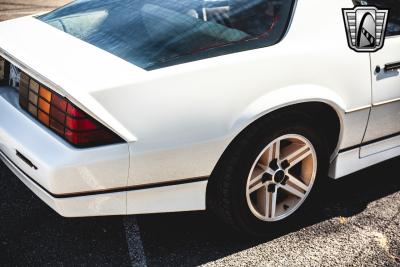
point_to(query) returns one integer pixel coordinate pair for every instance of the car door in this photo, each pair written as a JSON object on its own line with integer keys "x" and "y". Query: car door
{"x": 384, "y": 123}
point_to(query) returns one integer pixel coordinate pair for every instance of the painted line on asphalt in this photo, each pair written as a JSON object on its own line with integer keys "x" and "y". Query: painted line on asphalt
{"x": 134, "y": 240}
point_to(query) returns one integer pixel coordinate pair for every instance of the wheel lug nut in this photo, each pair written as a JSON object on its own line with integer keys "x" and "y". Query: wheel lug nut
{"x": 274, "y": 164}
{"x": 285, "y": 180}
{"x": 271, "y": 188}
{"x": 266, "y": 177}
{"x": 285, "y": 164}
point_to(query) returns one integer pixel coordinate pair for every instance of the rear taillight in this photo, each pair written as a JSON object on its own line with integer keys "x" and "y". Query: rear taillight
{"x": 4, "y": 71}
{"x": 61, "y": 116}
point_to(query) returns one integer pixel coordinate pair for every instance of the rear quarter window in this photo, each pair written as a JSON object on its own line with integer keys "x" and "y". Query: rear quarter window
{"x": 158, "y": 33}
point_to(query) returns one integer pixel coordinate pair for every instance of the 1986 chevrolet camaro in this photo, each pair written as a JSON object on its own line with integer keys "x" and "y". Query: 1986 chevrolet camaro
{"x": 240, "y": 107}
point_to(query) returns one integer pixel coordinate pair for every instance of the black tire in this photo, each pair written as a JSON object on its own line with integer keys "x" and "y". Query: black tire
{"x": 226, "y": 193}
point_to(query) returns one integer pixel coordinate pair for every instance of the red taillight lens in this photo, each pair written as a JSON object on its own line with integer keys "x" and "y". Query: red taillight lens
{"x": 63, "y": 117}
{"x": 80, "y": 124}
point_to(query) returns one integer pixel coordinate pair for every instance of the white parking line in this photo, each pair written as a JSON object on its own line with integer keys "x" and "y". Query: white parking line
{"x": 134, "y": 240}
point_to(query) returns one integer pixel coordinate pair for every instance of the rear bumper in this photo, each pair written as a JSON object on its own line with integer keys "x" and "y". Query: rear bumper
{"x": 104, "y": 204}
{"x": 168, "y": 198}
{"x": 52, "y": 163}
{"x": 83, "y": 182}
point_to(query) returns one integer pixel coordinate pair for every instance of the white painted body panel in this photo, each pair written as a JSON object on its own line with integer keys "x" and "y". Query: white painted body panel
{"x": 184, "y": 197}
{"x": 191, "y": 112}
{"x": 104, "y": 204}
{"x": 61, "y": 169}
{"x": 385, "y": 113}
{"x": 378, "y": 147}
{"x": 351, "y": 161}
{"x": 179, "y": 120}
{"x": 386, "y": 84}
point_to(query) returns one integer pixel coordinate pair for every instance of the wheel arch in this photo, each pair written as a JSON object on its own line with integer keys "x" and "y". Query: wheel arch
{"x": 309, "y": 99}
{"x": 327, "y": 104}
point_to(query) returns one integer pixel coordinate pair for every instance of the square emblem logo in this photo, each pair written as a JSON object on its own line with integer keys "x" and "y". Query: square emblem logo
{"x": 366, "y": 28}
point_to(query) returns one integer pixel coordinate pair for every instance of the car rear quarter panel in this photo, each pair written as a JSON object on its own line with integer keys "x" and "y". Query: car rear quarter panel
{"x": 185, "y": 116}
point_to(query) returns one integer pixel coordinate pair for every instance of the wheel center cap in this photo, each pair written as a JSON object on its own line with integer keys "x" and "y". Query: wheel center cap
{"x": 279, "y": 176}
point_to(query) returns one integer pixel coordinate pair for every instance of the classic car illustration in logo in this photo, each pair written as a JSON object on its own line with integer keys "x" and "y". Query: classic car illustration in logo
{"x": 366, "y": 27}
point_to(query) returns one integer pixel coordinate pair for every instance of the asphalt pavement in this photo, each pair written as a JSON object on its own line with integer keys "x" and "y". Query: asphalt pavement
{"x": 17, "y": 8}
{"x": 355, "y": 223}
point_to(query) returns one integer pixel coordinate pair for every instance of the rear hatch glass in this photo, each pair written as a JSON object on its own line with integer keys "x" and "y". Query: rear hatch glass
{"x": 153, "y": 34}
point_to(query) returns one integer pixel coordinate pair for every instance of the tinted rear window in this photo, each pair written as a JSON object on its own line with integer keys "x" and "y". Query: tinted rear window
{"x": 157, "y": 33}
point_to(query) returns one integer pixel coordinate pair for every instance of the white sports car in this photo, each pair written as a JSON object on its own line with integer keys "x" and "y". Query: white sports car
{"x": 241, "y": 107}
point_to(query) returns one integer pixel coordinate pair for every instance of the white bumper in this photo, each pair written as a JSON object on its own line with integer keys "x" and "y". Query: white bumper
{"x": 105, "y": 204}
{"x": 58, "y": 167}
{"x": 57, "y": 170}
{"x": 83, "y": 182}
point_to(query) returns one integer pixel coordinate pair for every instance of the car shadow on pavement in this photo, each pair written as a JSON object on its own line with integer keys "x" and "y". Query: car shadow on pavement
{"x": 32, "y": 234}
{"x": 195, "y": 238}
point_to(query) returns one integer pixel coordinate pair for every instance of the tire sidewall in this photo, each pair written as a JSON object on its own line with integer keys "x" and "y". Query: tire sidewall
{"x": 241, "y": 211}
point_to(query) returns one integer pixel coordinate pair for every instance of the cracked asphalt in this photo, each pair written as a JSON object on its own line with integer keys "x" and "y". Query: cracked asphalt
{"x": 355, "y": 223}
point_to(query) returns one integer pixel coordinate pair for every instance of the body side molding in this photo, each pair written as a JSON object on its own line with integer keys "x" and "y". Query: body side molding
{"x": 350, "y": 161}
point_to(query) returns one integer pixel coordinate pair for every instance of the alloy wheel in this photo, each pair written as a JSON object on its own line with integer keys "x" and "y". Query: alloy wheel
{"x": 281, "y": 177}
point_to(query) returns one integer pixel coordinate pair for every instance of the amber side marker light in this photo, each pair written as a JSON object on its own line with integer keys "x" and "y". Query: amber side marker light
{"x": 63, "y": 117}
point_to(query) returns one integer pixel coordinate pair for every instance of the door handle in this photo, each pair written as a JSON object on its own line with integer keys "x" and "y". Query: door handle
{"x": 392, "y": 66}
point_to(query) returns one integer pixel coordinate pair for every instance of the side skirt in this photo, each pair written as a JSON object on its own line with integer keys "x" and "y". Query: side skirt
{"x": 358, "y": 158}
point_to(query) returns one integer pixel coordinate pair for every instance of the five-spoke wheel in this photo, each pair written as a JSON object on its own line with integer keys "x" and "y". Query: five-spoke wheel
{"x": 281, "y": 177}
{"x": 271, "y": 175}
